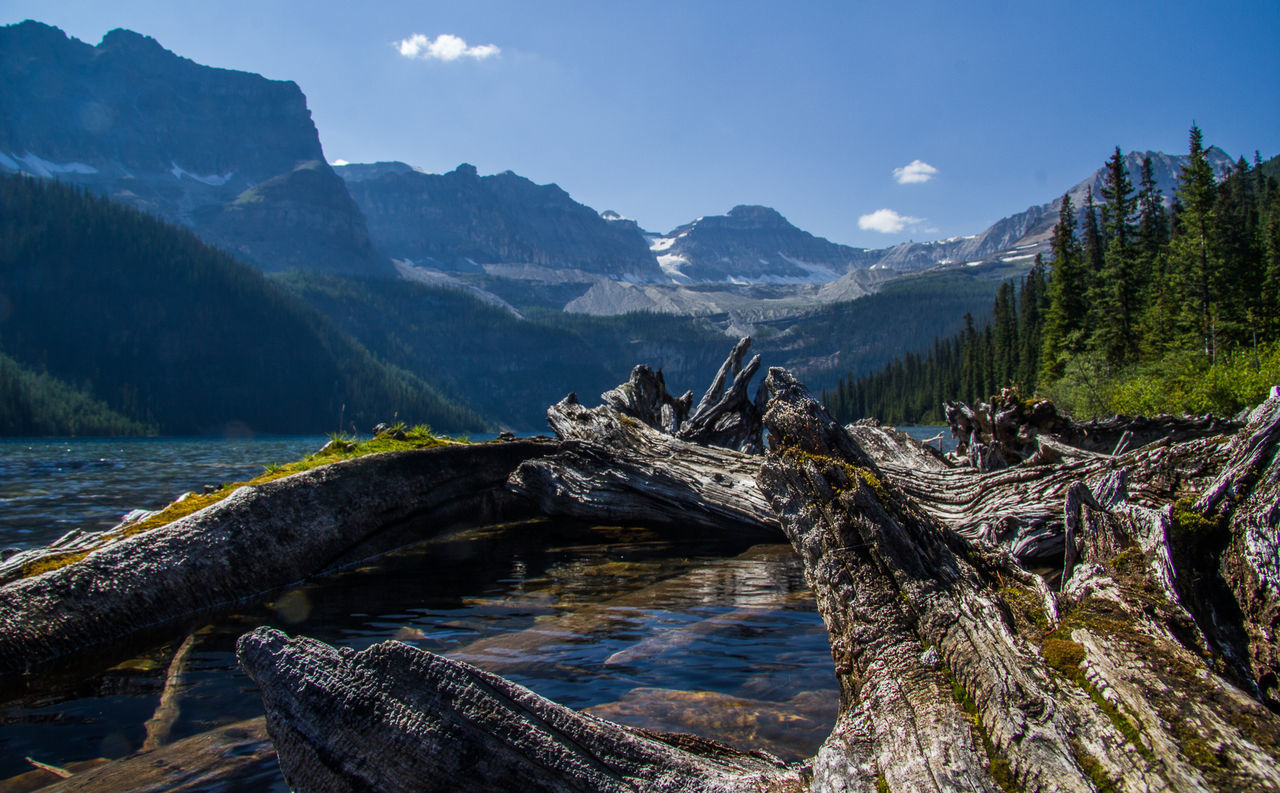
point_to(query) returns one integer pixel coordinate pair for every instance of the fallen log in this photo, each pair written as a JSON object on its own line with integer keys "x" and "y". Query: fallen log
{"x": 258, "y": 539}
{"x": 1005, "y": 432}
{"x": 958, "y": 669}
{"x": 1096, "y": 692}
{"x": 394, "y": 718}
{"x": 615, "y": 469}
{"x": 1021, "y": 507}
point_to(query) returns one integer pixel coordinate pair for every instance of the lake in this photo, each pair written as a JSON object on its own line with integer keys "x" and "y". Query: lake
{"x": 666, "y": 630}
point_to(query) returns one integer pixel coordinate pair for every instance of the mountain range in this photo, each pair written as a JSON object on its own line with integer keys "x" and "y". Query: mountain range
{"x": 235, "y": 158}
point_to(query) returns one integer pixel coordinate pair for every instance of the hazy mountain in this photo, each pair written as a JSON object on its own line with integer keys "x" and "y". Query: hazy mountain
{"x": 752, "y": 244}
{"x": 213, "y": 149}
{"x": 461, "y": 222}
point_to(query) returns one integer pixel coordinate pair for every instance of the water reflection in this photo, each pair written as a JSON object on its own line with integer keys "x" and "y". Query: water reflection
{"x": 696, "y": 634}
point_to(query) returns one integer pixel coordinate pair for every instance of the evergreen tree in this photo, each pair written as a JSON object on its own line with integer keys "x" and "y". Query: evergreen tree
{"x": 1065, "y": 315}
{"x": 1033, "y": 302}
{"x": 1153, "y": 220}
{"x": 1193, "y": 259}
{"x": 1004, "y": 326}
{"x": 1114, "y": 308}
{"x": 1091, "y": 240}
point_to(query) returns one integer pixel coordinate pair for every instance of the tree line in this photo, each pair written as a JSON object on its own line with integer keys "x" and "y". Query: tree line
{"x": 1146, "y": 307}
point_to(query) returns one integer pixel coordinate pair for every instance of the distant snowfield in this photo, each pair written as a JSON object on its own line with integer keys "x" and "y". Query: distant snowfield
{"x": 38, "y": 166}
{"x": 213, "y": 180}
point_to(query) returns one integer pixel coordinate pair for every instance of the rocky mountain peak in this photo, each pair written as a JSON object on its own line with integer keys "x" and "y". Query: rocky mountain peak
{"x": 140, "y": 124}
{"x": 754, "y": 216}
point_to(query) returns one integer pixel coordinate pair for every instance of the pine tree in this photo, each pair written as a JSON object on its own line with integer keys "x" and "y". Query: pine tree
{"x": 1114, "y": 305}
{"x": 1153, "y": 220}
{"x": 1004, "y": 337}
{"x": 1032, "y": 304}
{"x": 1064, "y": 317}
{"x": 1193, "y": 259}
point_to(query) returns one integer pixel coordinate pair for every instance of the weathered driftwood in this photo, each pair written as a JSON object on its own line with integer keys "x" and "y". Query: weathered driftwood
{"x": 958, "y": 669}
{"x": 614, "y": 469}
{"x": 1021, "y": 507}
{"x": 240, "y": 754}
{"x": 644, "y": 397}
{"x": 914, "y": 615}
{"x": 1005, "y": 432}
{"x": 256, "y": 540}
{"x": 394, "y": 718}
{"x": 727, "y": 419}
{"x": 1243, "y": 509}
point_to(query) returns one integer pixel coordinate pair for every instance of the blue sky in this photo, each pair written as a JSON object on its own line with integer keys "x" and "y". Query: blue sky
{"x": 665, "y": 111}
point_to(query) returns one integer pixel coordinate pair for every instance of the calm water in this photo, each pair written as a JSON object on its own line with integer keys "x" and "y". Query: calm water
{"x": 668, "y": 631}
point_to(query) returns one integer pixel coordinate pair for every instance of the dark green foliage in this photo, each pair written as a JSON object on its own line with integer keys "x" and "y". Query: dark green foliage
{"x": 37, "y": 404}
{"x": 1114, "y": 309}
{"x": 1064, "y": 323}
{"x": 175, "y": 334}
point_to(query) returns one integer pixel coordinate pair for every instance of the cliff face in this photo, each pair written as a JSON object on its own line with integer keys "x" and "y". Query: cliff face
{"x": 460, "y": 220}
{"x": 133, "y": 121}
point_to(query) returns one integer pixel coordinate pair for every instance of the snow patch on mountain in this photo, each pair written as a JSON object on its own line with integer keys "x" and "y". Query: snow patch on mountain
{"x": 38, "y": 166}
{"x": 213, "y": 180}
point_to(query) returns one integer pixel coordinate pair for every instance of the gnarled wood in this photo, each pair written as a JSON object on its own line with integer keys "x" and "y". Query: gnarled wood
{"x": 896, "y": 593}
{"x": 395, "y": 718}
{"x": 1005, "y": 432}
{"x": 615, "y": 469}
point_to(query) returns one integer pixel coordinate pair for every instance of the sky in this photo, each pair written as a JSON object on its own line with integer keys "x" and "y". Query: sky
{"x": 868, "y": 123}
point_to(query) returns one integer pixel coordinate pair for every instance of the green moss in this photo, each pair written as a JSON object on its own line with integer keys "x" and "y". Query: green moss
{"x": 1190, "y": 526}
{"x": 1027, "y": 607}
{"x": 881, "y": 785}
{"x": 1093, "y": 769}
{"x": 1064, "y": 656}
{"x": 999, "y": 768}
{"x": 339, "y": 448}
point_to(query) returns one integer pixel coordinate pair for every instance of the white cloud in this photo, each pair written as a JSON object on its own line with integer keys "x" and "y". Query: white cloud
{"x": 445, "y": 47}
{"x": 339, "y": 161}
{"x": 886, "y": 221}
{"x": 915, "y": 172}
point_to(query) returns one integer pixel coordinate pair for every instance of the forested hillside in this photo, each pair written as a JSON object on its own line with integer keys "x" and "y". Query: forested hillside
{"x": 39, "y": 404}
{"x": 174, "y": 334}
{"x": 507, "y": 366}
{"x": 1147, "y": 309}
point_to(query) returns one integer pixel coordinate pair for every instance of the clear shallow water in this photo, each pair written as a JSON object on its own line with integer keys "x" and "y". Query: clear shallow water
{"x": 683, "y": 634}
{"x": 667, "y": 631}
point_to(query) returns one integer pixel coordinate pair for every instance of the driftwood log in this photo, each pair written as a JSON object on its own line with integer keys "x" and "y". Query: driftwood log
{"x": 612, "y": 468}
{"x": 724, "y": 418}
{"x": 395, "y": 718}
{"x": 959, "y": 670}
{"x": 258, "y": 539}
{"x": 1007, "y": 431}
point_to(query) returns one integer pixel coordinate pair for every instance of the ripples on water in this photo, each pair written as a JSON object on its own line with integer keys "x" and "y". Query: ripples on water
{"x": 49, "y": 487}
